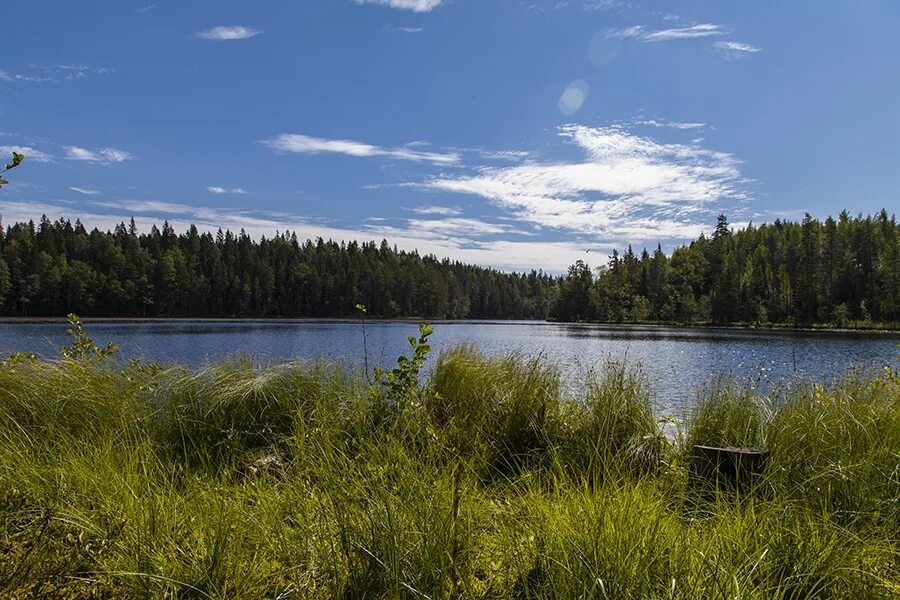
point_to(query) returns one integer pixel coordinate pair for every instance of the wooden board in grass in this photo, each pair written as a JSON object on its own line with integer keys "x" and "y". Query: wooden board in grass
{"x": 731, "y": 465}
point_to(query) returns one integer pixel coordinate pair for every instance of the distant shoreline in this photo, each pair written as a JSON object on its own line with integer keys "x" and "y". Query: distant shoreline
{"x": 787, "y": 329}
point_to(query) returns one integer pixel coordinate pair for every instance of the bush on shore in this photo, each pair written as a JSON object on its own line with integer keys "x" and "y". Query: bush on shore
{"x": 485, "y": 480}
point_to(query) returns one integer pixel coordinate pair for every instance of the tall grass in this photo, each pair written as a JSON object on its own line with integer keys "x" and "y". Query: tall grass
{"x": 493, "y": 483}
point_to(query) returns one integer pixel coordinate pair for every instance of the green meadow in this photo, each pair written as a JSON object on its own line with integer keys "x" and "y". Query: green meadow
{"x": 486, "y": 477}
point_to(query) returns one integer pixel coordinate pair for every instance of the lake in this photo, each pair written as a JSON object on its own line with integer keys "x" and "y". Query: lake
{"x": 675, "y": 360}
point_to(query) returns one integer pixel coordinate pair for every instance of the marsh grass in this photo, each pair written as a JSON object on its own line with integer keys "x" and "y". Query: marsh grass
{"x": 491, "y": 483}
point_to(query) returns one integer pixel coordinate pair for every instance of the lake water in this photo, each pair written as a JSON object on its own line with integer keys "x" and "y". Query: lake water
{"x": 675, "y": 360}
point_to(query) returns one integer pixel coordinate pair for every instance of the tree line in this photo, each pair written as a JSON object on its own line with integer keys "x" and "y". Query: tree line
{"x": 56, "y": 268}
{"x": 837, "y": 272}
{"x": 840, "y": 272}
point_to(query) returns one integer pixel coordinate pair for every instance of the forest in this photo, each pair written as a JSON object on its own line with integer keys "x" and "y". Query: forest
{"x": 843, "y": 272}
{"x": 837, "y": 272}
{"x": 56, "y": 268}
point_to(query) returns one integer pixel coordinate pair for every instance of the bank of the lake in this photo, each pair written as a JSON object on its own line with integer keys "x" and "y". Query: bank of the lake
{"x": 492, "y": 478}
{"x": 862, "y": 327}
{"x": 674, "y": 359}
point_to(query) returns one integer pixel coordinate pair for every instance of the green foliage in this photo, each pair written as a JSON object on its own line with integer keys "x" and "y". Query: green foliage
{"x": 613, "y": 428}
{"x": 833, "y": 273}
{"x": 401, "y": 384}
{"x": 727, "y": 415}
{"x": 82, "y": 348}
{"x": 501, "y": 412}
{"x": 507, "y": 483}
{"x": 16, "y": 161}
{"x": 52, "y": 268}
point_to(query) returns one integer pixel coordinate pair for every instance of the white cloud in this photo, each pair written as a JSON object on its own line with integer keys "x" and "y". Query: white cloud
{"x": 437, "y": 210}
{"x": 418, "y": 6}
{"x": 28, "y": 78}
{"x": 405, "y": 29}
{"x": 84, "y": 191}
{"x": 103, "y": 155}
{"x": 147, "y": 8}
{"x": 29, "y": 152}
{"x": 304, "y": 144}
{"x": 600, "y": 4}
{"x": 54, "y": 73}
{"x": 735, "y": 50}
{"x": 227, "y": 33}
{"x": 78, "y": 71}
{"x": 737, "y": 46}
{"x": 699, "y": 30}
{"x": 452, "y": 228}
{"x": 514, "y": 155}
{"x": 628, "y": 187}
{"x": 214, "y": 189}
{"x": 672, "y": 124}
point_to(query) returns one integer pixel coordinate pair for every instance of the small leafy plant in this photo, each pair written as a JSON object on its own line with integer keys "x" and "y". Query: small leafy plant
{"x": 16, "y": 161}
{"x": 83, "y": 349}
{"x": 402, "y": 383}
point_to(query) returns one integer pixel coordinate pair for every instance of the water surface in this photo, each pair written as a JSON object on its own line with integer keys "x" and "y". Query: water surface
{"x": 675, "y": 360}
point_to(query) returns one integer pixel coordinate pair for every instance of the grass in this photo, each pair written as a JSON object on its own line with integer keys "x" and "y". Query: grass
{"x": 486, "y": 481}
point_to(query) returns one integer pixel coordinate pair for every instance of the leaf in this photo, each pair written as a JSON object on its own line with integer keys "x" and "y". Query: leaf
{"x": 412, "y": 341}
{"x": 3, "y": 182}
{"x": 361, "y": 308}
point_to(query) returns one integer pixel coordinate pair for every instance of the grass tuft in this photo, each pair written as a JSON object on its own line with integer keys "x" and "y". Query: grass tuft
{"x": 486, "y": 481}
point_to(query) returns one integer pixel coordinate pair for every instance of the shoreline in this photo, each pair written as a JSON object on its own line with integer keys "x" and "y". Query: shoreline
{"x": 772, "y": 328}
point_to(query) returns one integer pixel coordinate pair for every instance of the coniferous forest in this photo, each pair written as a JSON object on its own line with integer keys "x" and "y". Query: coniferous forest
{"x": 839, "y": 272}
{"x": 843, "y": 272}
{"x": 55, "y": 268}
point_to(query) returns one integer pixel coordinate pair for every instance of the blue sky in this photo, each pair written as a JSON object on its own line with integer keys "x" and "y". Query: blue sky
{"x": 512, "y": 133}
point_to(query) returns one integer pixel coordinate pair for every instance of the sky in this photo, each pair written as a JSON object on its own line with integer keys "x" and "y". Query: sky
{"x": 517, "y": 134}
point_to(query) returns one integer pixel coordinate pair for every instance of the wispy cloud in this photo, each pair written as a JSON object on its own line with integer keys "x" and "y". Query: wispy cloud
{"x": 146, "y": 9}
{"x": 78, "y": 71}
{"x": 600, "y": 4}
{"x": 102, "y": 155}
{"x": 214, "y": 189}
{"x": 672, "y": 124}
{"x": 735, "y": 50}
{"x": 700, "y": 30}
{"x": 53, "y": 73}
{"x": 541, "y": 6}
{"x": 627, "y": 186}
{"x": 304, "y": 144}
{"x": 419, "y": 6}
{"x": 438, "y": 210}
{"x": 452, "y": 227}
{"x": 6, "y": 76}
{"x": 29, "y": 152}
{"x": 84, "y": 191}
{"x": 228, "y": 33}
{"x": 513, "y": 155}
{"x": 404, "y": 29}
